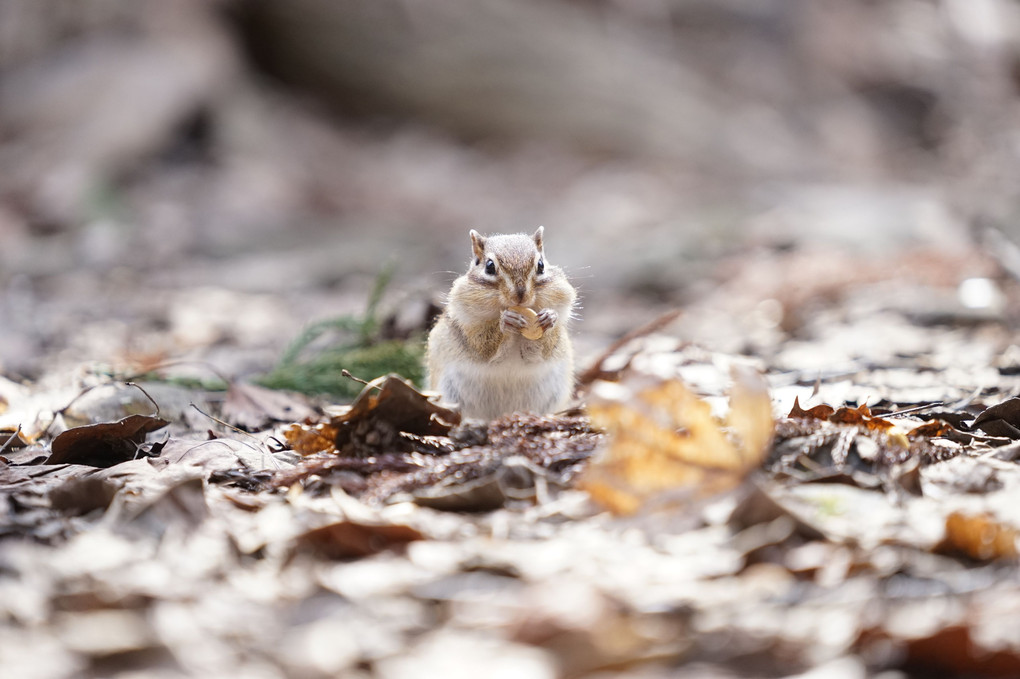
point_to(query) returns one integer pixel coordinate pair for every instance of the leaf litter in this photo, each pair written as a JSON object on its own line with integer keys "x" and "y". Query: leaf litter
{"x": 395, "y": 442}
{"x": 678, "y": 519}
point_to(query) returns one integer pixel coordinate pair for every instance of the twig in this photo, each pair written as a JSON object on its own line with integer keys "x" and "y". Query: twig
{"x": 915, "y": 409}
{"x": 61, "y": 411}
{"x": 347, "y": 373}
{"x": 58, "y": 413}
{"x": 595, "y": 370}
{"x": 221, "y": 422}
{"x": 10, "y": 441}
{"x": 239, "y": 431}
{"x": 282, "y": 446}
{"x": 147, "y": 395}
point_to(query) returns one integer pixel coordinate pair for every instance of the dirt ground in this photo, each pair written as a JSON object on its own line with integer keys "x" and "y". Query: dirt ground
{"x": 810, "y": 470}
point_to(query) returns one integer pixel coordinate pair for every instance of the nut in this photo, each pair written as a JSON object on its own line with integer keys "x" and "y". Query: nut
{"x": 532, "y": 330}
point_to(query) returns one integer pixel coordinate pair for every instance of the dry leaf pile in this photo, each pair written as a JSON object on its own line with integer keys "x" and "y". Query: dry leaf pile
{"x": 703, "y": 513}
{"x": 394, "y": 443}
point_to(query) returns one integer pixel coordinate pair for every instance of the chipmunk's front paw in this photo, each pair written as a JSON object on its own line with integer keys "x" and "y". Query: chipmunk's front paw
{"x": 512, "y": 321}
{"x": 547, "y": 318}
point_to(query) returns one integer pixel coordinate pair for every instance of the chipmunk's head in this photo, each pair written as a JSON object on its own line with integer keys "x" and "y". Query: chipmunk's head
{"x": 512, "y": 266}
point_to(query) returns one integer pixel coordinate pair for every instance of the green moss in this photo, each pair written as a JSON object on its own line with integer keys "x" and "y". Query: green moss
{"x": 314, "y": 361}
{"x": 322, "y": 373}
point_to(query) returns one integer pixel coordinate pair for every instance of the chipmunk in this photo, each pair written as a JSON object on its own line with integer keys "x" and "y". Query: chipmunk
{"x": 479, "y": 354}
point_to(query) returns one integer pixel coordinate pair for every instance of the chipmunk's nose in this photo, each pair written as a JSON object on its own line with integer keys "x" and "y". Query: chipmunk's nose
{"x": 521, "y": 291}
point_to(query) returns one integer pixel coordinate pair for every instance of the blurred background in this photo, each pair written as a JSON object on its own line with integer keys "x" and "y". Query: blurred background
{"x": 196, "y": 179}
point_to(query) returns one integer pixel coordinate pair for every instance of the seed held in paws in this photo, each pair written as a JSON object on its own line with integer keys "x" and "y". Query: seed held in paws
{"x": 532, "y": 330}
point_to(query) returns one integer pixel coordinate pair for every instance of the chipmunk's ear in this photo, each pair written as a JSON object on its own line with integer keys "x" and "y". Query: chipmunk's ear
{"x": 477, "y": 246}
{"x": 538, "y": 238}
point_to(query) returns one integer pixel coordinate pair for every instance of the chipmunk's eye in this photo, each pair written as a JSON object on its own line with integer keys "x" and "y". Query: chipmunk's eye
{"x": 540, "y": 268}
{"x": 490, "y": 267}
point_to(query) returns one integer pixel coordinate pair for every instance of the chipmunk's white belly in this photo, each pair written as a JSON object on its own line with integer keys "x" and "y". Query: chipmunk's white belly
{"x": 488, "y": 390}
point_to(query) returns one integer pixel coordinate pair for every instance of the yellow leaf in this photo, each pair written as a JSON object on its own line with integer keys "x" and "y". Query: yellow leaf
{"x": 664, "y": 445}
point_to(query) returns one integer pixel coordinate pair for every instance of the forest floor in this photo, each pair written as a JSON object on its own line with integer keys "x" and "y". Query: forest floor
{"x": 715, "y": 519}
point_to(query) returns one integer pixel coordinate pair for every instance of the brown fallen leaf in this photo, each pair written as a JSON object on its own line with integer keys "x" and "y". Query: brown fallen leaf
{"x": 826, "y": 443}
{"x": 664, "y": 443}
{"x": 978, "y": 536}
{"x": 819, "y": 412}
{"x": 308, "y": 439}
{"x": 104, "y": 444}
{"x": 1001, "y": 419}
{"x": 936, "y": 429}
{"x": 861, "y": 415}
{"x": 955, "y": 651}
{"x": 1008, "y": 410}
{"x": 348, "y": 539}
{"x": 386, "y": 417}
{"x": 952, "y": 647}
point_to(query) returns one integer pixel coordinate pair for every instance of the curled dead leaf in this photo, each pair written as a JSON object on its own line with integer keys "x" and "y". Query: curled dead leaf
{"x": 1001, "y": 419}
{"x": 819, "y": 412}
{"x": 937, "y": 429}
{"x": 385, "y": 417}
{"x": 861, "y": 416}
{"x": 104, "y": 444}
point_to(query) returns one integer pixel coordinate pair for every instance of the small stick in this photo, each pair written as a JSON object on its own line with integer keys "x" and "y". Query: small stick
{"x": 147, "y": 395}
{"x": 10, "y": 441}
{"x": 239, "y": 431}
{"x": 347, "y": 373}
{"x": 915, "y": 409}
{"x": 221, "y": 422}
